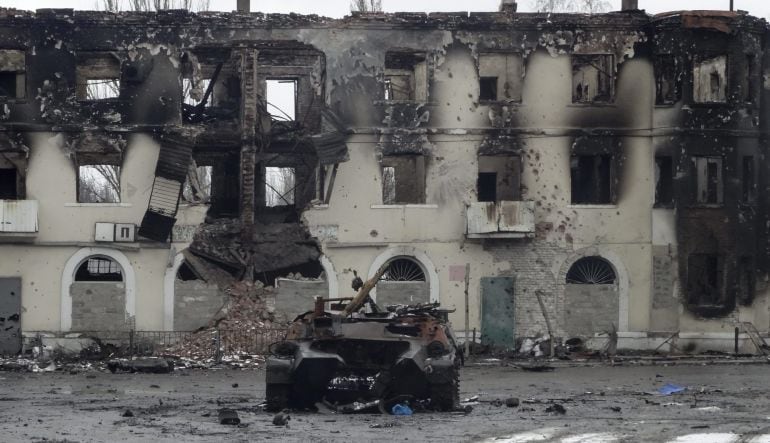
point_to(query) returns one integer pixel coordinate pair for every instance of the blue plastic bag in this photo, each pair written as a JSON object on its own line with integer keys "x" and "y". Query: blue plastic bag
{"x": 399, "y": 409}
{"x": 670, "y": 388}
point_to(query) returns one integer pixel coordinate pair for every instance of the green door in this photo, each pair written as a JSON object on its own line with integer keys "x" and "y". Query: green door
{"x": 497, "y": 312}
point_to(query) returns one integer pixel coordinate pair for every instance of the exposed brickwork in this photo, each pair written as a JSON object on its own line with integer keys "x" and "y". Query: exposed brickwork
{"x": 402, "y": 292}
{"x": 589, "y": 309}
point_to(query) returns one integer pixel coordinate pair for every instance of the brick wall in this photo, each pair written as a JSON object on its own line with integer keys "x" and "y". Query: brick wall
{"x": 531, "y": 264}
{"x": 99, "y": 306}
{"x": 195, "y": 303}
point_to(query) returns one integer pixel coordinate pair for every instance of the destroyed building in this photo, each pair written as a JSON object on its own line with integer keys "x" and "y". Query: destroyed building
{"x": 597, "y": 172}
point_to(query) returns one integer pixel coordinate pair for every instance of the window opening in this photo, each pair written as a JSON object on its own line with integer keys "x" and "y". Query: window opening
{"x": 591, "y": 179}
{"x": 749, "y": 179}
{"x": 8, "y": 189}
{"x": 710, "y": 80}
{"x": 668, "y": 80}
{"x": 664, "y": 181}
{"x": 500, "y": 76}
{"x": 403, "y": 269}
{"x": 592, "y": 78}
{"x": 192, "y": 93}
{"x": 99, "y": 269}
{"x": 281, "y": 96}
{"x": 709, "y": 180}
{"x": 499, "y": 178}
{"x": 197, "y": 187}
{"x": 99, "y": 184}
{"x": 406, "y": 76}
{"x": 403, "y": 179}
{"x": 704, "y": 277}
{"x": 12, "y": 74}
{"x": 591, "y": 271}
{"x": 488, "y": 88}
{"x": 279, "y": 186}
{"x": 487, "y": 186}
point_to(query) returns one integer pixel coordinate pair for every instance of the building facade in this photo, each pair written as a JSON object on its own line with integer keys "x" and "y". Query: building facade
{"x": 594, "y": 173}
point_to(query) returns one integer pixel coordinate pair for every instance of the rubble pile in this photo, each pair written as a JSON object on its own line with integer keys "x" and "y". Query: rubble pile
{"x": 238, "y": 335}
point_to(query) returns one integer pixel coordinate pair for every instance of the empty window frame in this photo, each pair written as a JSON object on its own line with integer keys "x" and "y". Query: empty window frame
{"x": 406, "y": 76}
{"x": 197, "y": 187}
{"x": 193, "y": 92}
{"x": 99, "y": 269}
{"x": 704, "y": 279}
{"x": 98, "y": 183}
{"x": 403, "y": 179}
{"x": 500, "y": 77}
{"x": 750, "y": 81}
{"x": 281, "y": 96}
{"x": 280, "y": 184}
{"x": 710, "y": 79}
{"x": 664, "y": 181}
{"x": 97, "y": 77}
{"x": 499, "y": 178}
{"x": 593, "y": 78}
{"x": 749, "y": 179}
{"x": 8, "y": 184}
{"x": 668, "y": 79}
{"x": 591, "y": 179}
{"x": 12, "y": 74}
{"x": 708, "y": 173}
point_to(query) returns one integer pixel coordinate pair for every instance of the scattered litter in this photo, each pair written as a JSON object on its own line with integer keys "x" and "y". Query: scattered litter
{"x": 153, "y": 365}
{"x": 614, "y": 408}
{"x": 235, "y": 385}
{"x": 401, "y": 409}
{"x": 358, "y": 406}
{"x": 496, "y": 402}
{"x": 471, "y": 399}
{"x": 228, "y": 417}
{"x": 537, "y": 368}
{"x": 282, "y": 418}
{"x": 384, "y": 425}
{"x": 556, "y": 409}
{"x": 670, "y": 388}
{"x": 128, "y": 413}
{"x": 512, "y": 402}
{"x": 709, "y": 408}
{"x": 700, "y": 427}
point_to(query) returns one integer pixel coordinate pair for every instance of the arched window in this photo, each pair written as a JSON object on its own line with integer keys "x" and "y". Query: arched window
{"x": 99, "y": 269}
{"x": 591, "y": 271}
{"x": 403, "y": 269}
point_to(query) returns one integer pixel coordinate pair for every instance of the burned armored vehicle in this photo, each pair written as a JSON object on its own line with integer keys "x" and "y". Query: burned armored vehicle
{"x": 404, "y": 353}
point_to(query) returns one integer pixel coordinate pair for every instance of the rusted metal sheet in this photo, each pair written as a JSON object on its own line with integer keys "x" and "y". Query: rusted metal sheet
{"x": 18, "y": 216}
{"x": 482, "y": 218}
{"x": 501, "y": 217}
{"x": 516, "y": 216}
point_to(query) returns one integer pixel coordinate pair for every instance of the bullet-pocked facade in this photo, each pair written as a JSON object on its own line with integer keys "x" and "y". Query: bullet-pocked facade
{"x": 596, "y": 173}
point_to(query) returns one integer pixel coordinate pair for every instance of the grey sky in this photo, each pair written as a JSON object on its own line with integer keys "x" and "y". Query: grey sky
{"x": 339, "y": 8}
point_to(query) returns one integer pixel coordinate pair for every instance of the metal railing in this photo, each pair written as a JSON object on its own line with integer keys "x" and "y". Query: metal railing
{"x": 209, "y": 344}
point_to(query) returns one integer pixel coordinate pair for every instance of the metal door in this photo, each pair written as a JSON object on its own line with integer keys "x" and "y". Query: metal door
{"x": 497, "y": 319}
{"x": 10, "y": 316}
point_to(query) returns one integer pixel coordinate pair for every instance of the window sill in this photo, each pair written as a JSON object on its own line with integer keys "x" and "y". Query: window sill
{"x": 98, "y": 205}
{"x": 408, "y": 205}
{"x": 591, "y": 206}
{"x": 592, "y": 105}
{"x": 321, "y": 207}
{"x": 500, "y": 102}
{"x": 401, "y": 102}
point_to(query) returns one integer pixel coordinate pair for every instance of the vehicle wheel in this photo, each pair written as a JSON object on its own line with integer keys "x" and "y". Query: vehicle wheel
{"x": 445, "y": 396}
{"x": 277, "y": 396}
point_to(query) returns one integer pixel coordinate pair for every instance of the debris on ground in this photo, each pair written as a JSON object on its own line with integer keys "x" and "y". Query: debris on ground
{"x": 512, "y": 402}
{"x": 401, "y": 409}
{"x": 670, "y": 388}
{"x": 282, "y": 418}
{"x": 556, "y": 408}
{"x": 128, "y": 413}
{"x": 228, "y": 417}
{"x": 150, "y": 365}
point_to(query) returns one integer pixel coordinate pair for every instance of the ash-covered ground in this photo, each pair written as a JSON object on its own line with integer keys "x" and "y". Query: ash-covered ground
{"x": 722, "y": 402}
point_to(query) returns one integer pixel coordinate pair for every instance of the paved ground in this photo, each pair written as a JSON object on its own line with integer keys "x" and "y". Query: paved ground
{"x": 724, "y": 403}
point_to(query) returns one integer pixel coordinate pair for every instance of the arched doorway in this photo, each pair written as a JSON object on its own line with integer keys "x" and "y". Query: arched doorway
{"x": 591, "y": 297}
{"x": 411, "y": 277}
{"x": 97, "y": 291}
